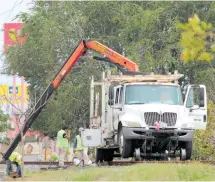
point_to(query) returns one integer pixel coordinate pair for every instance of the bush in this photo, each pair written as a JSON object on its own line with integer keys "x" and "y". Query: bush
{"x": 204, "y": 140}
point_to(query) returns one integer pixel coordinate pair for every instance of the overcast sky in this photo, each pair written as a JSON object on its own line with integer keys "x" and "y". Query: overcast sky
{"x": 8, "y": 10}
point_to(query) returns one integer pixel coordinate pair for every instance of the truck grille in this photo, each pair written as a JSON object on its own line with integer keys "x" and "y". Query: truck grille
{"x": 167, "y": 117}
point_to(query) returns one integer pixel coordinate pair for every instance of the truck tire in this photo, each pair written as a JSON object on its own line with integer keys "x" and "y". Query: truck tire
{"x": 99, "y": 156}
{"x": 189, "y": 148}
{"x": 125, "y": 146}
{"x": 183, "y": 154}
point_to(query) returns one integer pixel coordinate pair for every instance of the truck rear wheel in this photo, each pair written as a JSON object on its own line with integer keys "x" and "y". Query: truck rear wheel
{"x": 125, "y": 146}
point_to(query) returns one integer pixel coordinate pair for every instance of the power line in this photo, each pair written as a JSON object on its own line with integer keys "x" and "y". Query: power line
{"x": 11, "y": 8}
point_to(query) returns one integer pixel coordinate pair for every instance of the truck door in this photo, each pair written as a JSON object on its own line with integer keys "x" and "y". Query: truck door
{"x": 196, "y": 106}
{"x": 117, "y": 108}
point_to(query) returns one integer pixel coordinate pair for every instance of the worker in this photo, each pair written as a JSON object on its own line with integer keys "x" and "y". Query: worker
{"x": 15, "y": 158}
{"x": 62, "y": 144}
{"x": 80, "y": 149}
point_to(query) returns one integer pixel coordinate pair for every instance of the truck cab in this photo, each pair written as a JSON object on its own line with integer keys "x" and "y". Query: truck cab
{"x": 148, "y": 116}
{"x": 144, "y": 104}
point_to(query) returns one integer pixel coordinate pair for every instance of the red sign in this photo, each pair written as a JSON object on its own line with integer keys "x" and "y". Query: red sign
{"x": 12, "y": 34}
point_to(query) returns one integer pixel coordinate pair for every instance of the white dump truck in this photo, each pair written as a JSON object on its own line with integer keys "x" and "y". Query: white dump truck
{"x": 144, "y": 117}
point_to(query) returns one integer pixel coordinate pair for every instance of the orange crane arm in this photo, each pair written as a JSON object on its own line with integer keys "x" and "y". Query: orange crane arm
{"x": 94, "y": 45}
{"x": 65, "y": 69}
{"x": 112, "y": 55}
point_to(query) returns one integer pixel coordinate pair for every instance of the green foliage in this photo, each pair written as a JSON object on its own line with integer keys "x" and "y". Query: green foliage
{"x": 205, "y": 139}
{"x": 3, "y": 121}
{"x": 206, "y": 77}
{"x": 143, "y": 31}
{"x": 5, "y": 140}
{"x": 194, "y": 40}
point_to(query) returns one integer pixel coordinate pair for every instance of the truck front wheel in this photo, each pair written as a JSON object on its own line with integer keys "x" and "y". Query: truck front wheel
{"x": 125, "y": 146}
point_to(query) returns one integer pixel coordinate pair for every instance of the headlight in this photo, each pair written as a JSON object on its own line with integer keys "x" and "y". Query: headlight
{"x": 133, "y": 123}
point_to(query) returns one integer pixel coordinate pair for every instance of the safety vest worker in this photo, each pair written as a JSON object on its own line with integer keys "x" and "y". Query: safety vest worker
{"x": 62, "y": 144}
{"x": 78, "y": 142}
{"x": 15, "y": 158}
{"x": 62, "y": 139}
{"x": 81, "y": 150}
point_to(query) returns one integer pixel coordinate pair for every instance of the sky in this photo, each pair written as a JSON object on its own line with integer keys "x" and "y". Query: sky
{"x": 8, "y": 10}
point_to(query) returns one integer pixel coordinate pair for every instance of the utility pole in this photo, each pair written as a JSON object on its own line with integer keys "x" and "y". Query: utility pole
{"x": 14, "y": 98}
{"x": 22, "y": 119}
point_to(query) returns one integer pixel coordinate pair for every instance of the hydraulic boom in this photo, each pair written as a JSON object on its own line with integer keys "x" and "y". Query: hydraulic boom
{"x": 80, "y": 50}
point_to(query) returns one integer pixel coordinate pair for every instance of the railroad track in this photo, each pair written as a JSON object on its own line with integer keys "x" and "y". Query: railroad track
{"x": 41, "y": 163}
{"x": 45, "y": 165}
{"x": 121, "y": 162}
{"x": 116, "y": 162}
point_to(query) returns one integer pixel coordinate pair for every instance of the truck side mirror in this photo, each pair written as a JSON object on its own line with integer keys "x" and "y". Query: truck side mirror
{"x": 195, "y": 107}
{"x": 111, "y": 92}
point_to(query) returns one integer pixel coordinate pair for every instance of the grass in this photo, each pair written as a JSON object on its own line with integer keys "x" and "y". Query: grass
{"x": 138, "y": 172}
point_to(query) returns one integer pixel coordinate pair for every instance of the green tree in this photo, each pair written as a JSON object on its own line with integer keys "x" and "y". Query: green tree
{"x": 3, "y": 121}
{"x": 194, "y": 40}
{"x": 198, "y": 46}
{"x": 142, "y": 31}
{"x": 205, "y": 139}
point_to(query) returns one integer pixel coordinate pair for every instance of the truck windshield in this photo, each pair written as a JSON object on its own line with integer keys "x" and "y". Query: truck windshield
{"x": 146, "y": 94}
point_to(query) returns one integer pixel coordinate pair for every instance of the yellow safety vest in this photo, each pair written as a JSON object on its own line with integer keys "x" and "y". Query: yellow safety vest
{"x": 14, "y": 157}
{"x": 79, "y": 143}
{"x": 61, "y": 142}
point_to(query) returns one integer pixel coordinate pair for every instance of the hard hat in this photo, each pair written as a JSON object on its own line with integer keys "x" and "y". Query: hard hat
{"x": 81, "y": 129}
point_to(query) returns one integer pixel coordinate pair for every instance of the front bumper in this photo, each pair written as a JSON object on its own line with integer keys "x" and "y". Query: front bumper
{"x": 151, "y": 134}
